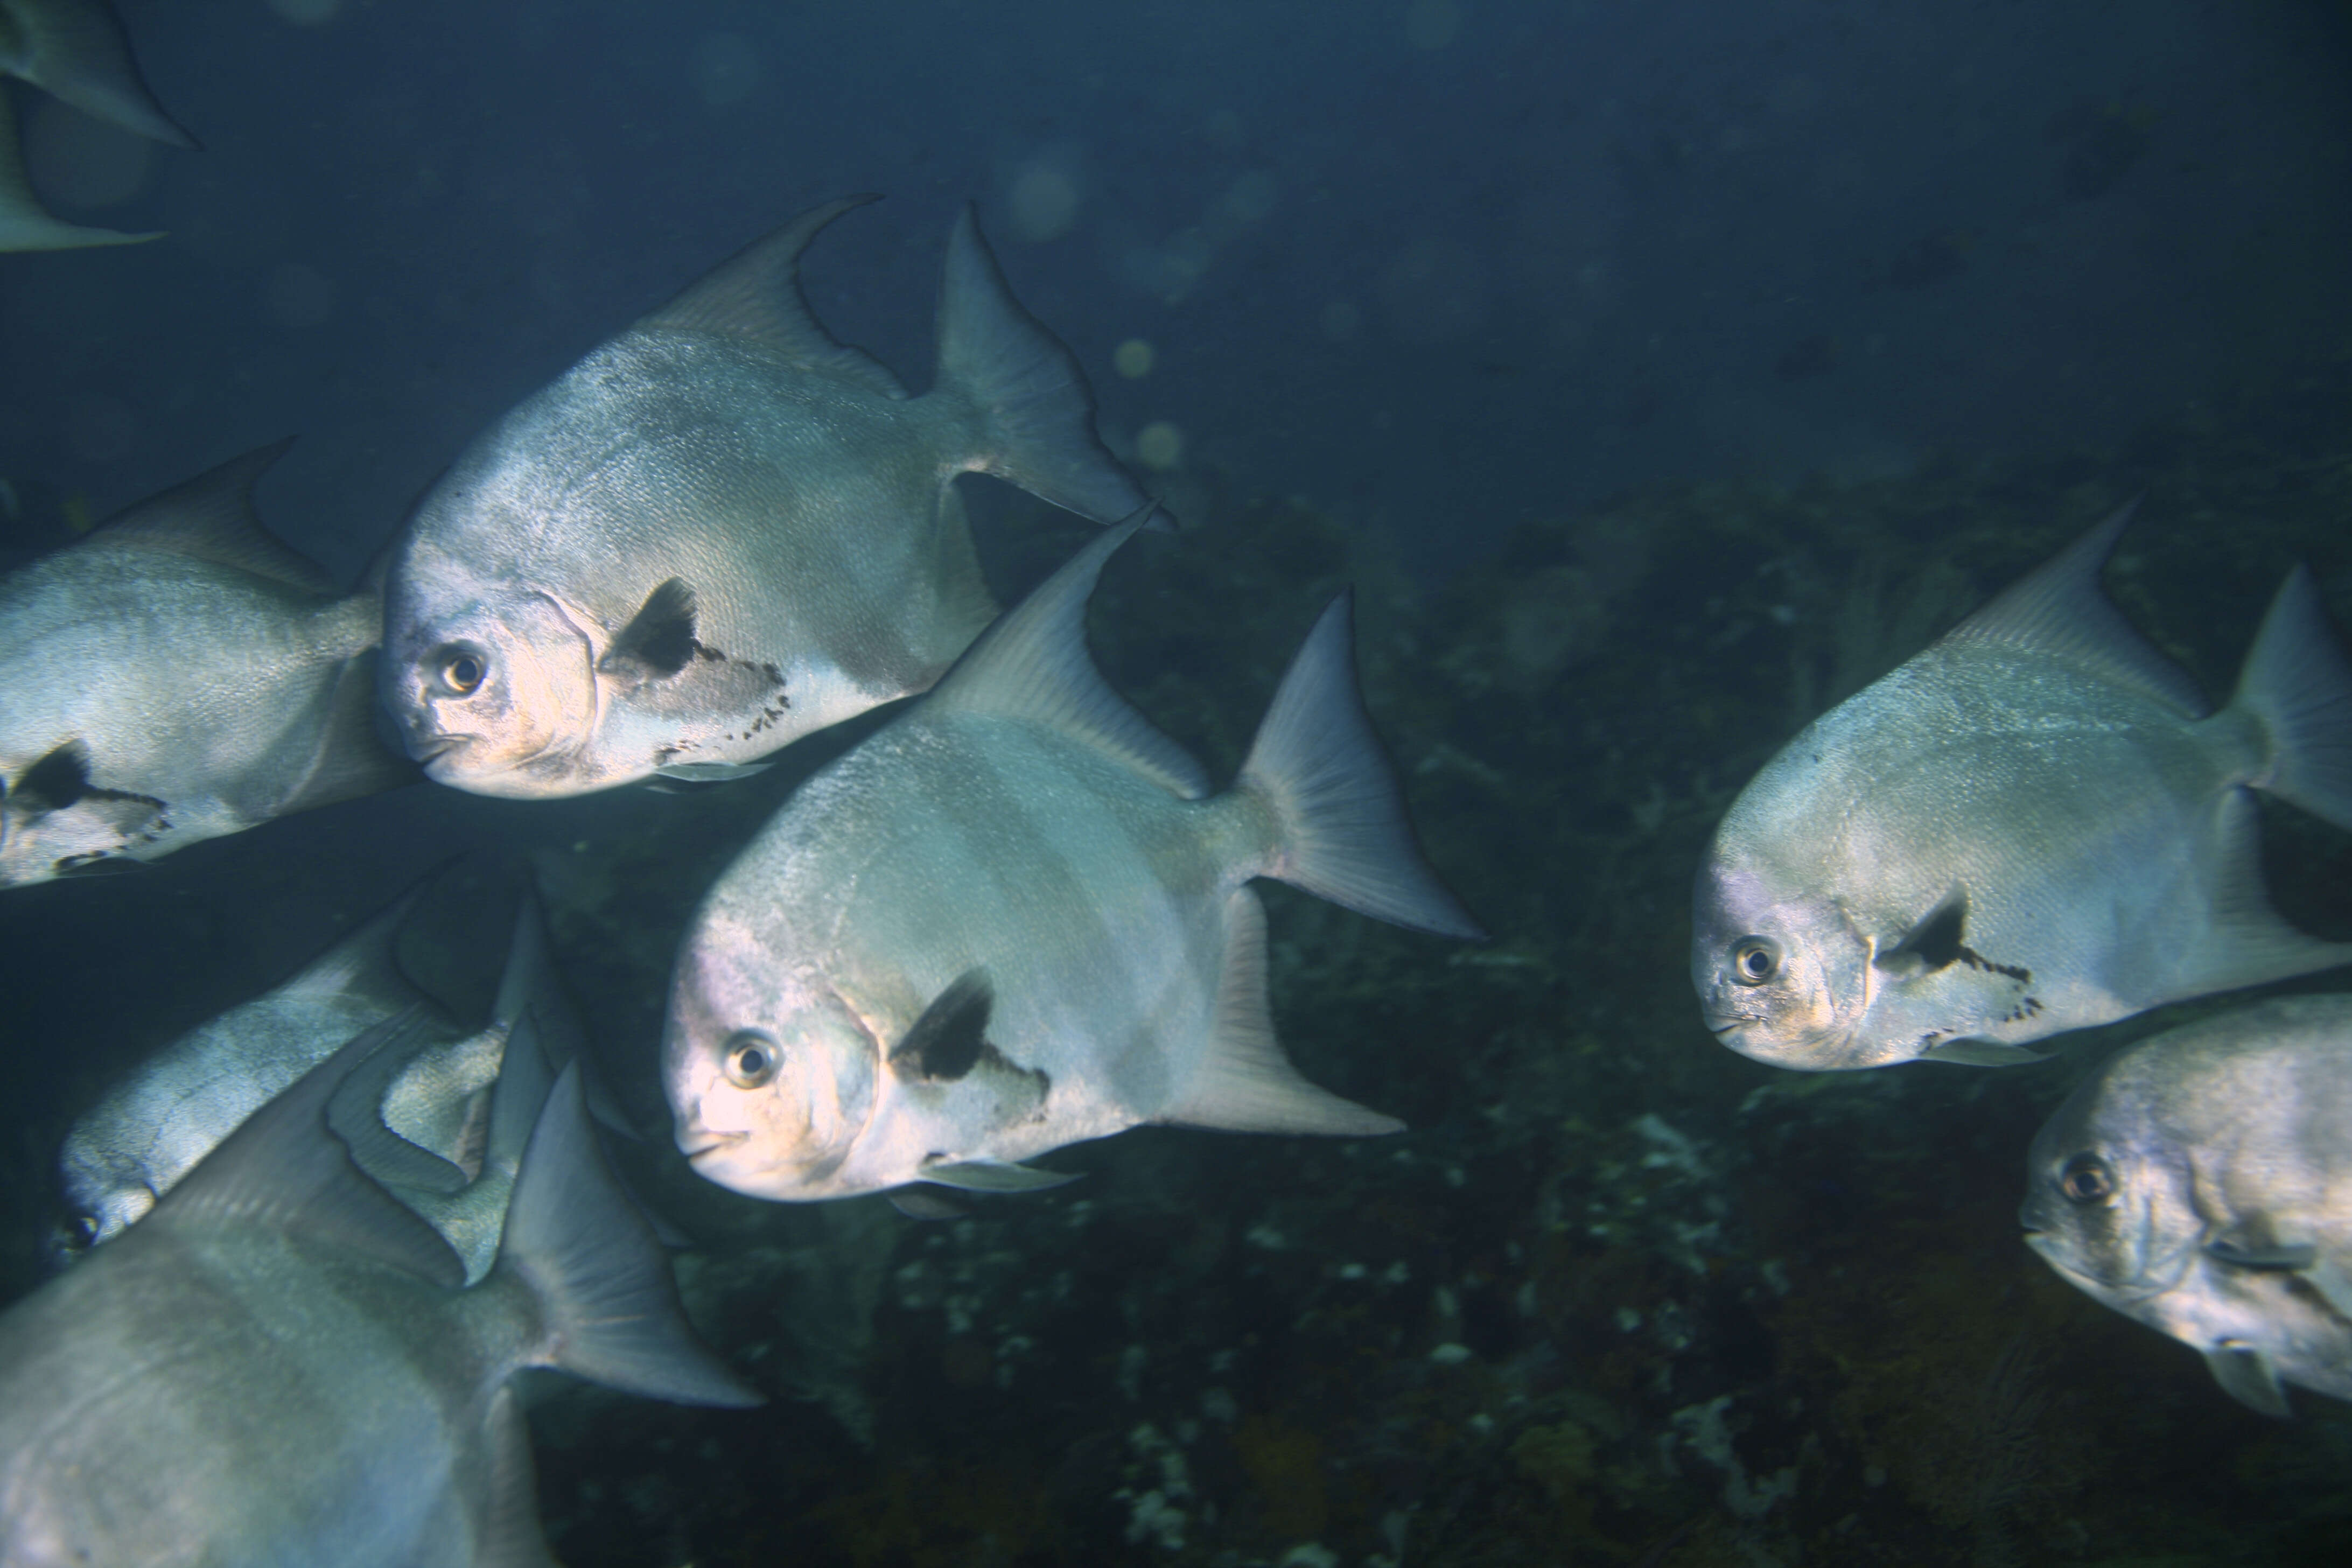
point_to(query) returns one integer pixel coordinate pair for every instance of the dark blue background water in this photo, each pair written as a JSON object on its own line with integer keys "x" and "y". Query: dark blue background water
{"x": 1445, "y": 264}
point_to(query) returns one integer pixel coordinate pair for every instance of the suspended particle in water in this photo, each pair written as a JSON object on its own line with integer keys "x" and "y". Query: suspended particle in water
{"x": 1133, "y": 359}
{"x": 1160, "y": 446}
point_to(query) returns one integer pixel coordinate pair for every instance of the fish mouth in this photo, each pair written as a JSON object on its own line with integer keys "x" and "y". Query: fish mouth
{"x": 426, "y": 750}
{"x": 711, "y": 1144}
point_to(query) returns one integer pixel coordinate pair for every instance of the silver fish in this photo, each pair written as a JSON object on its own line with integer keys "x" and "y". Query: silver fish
{"x": 178, "y": 675}
{"x": 278, "y": 1365}
{"x": 25, "y": 223}
{"x": 419, "y": 1122}
{"x": 2036, "y": 825}
{"x": 722, "y": 530}
{"x": 76, "y": 50}
{"x": 1015, "y": 918}
{"x": 2200, "y": 1182}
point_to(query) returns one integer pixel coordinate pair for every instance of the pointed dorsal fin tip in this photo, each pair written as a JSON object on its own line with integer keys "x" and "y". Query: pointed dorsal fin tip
{"x": 2059, "y": 610}
{"x": 211, "y": 517}
{"x": 755, "y": 295}
{"x": 1032, "y": 663}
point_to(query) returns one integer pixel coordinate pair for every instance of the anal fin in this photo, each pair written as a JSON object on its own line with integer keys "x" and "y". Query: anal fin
{"x": 1245, "y": 1083}
{"x": 2249, "y": 1377}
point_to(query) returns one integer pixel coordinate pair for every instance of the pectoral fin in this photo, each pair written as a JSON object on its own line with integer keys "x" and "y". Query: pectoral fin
{"x": 2249, "y": 1377}
{"x": 673, "y": 775}
{"x": 2237, "y": 1256}
{"x": 1980, "y": 1053}
{"x": 945, "y": 1043}
{"x": 1934, "y": 941}
{"x": 991, "y": 1176}
{"x": 919, "y": 1202}
{"x": 658, "y": 641}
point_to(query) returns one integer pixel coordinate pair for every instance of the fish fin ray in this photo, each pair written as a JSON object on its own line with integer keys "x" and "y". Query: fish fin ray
{"x": 1970, "y": 1052}
{"x": 2058, "y": 609}
{"x": 284, "y": 1167}
{"x": 211, "y": 518}
{"x": 1033, "y": 664}
{"x": 756, "y": 294}
{"x": 24, "y": 224}
{"x": 1245, "y": 1083}
{"x": 991, "y": 1176}
{"x": 658, "y": 641}
{"x": 1935, "y": 940}
{"x": 918, "y": 1201}
{"x": 79, "y": 54}
{"x": 944, "y": 1043}
{"x": 2247, "y": 942}
{"x": 2236, "y": 1255}
{"x": 355, "y": 1114}
{"x": 610, "y": 1307}
{"x": 511, "y": 1537}
{"x": 1037, "y": 407}
{"x": 2298, "y": 683}
{"x": 1339, "y": 807}
{"x": 367, "y": 962}
{"x": 2249, "y": 1377}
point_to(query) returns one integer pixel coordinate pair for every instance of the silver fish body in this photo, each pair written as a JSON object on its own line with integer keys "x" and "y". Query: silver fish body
{"x": 1016, "y": 919}
{"x": 420, "y": 1121}
{"x": 2200, "y": 1182}
{"x": 720, "y": 531}
{"x": 176, "y": 676}
{"x": 278, "y": 1365}
{"x": 2034, "y": 825}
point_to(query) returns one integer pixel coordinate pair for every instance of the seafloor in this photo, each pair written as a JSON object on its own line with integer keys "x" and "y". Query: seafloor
{"x": 1619, "y": 1296}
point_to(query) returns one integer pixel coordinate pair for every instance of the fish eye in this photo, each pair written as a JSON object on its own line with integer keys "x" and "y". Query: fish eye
{"x": 2086, "y": 1179}
{"x": 462, "y": 672}
{"x": 1755, "y": 959}
{"x": 751, "y": 1058}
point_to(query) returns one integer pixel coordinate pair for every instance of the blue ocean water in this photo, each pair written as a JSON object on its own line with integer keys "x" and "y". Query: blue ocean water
{"x": 1612, "y": 351}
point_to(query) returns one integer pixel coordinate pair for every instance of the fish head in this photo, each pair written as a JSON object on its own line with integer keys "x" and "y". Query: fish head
{"x": 1782, "y": 976}
{"x": 770, "y": 1081}
{"x": 494, "y": 692}
{"x": 2109, "y": 1204}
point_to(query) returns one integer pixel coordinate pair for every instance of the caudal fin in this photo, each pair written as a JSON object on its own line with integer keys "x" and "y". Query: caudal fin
{"x": 1038, "y": 411}
{"x": 1340, "y": 815}
{"x": 610, "y": 1309}
{"x": 2297, "y": 684}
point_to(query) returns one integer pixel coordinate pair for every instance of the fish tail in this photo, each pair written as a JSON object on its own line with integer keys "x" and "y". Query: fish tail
{"x": 1339, "y": 814}
{"x": 2297, "y": 685}
{"x": 608, "y": 1306}
{"x": 1037, "y": 411}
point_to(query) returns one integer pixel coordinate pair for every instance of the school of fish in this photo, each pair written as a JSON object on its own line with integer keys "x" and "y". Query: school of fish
{"x": 1013, "y": 917}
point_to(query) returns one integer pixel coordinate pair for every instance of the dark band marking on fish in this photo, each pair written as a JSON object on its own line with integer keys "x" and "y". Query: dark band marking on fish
{"x": 2018, "y": 972}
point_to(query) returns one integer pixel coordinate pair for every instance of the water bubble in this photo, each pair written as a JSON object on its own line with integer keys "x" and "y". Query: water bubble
{"x": 298, "y": 296}
{"x": 82, "y": 162}
{"x": 1133, "y": 359}
{"x": 1431, "y": 24}
{"x": 1044, "y": 203}
{"x": 726, "y": 69}
{"x": 1160, "y": 446}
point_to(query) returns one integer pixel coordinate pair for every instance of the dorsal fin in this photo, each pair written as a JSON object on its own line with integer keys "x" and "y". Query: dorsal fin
{"x": 2057, "y": 609}
{"x": 24, "y": 224}
{"x": 660, "y": 638}
{"x": 364, "y": 964}
{"x": 211, "y": 518}
{"x": 1033, "y": 664}
{"x": 756, "y": 294}
{"x": 78, "y": 53}
{"x": 283, "y": 1169}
